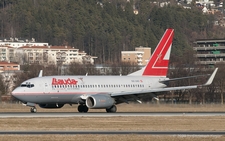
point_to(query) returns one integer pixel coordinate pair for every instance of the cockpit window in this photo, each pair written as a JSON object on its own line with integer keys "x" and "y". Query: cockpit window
{"x": 28, "y": 85}
{"x": 23, "y": 85}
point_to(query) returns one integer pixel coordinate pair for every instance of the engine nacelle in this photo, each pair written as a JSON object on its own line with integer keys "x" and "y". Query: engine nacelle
{"x": 51, "y": 105}
{"x": 99, "y": 101}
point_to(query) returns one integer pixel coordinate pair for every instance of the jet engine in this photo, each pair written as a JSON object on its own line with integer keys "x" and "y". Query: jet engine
{"x": 99, "y": 101}
{"x": 51, "y": 105}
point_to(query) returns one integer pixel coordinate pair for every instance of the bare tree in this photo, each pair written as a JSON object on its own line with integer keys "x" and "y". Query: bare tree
{"x": 20, "y": 58}
{"x": 2, "y": 85}
{"x": 81, "y": 69}
{"x": 128, "y": 67}
{"x": 31, "y": 71}
{"x": 182, "y": 67}
{"x": 220, "y": 81}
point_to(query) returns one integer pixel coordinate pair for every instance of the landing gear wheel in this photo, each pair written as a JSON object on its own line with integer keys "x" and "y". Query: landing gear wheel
{"x": 111, "y": 109}
{"x": 33, "y": 110}
{"x": 82, "y": 109}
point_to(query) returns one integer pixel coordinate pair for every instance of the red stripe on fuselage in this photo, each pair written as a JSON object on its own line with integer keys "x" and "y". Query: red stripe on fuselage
{"x": 58, "y": 93}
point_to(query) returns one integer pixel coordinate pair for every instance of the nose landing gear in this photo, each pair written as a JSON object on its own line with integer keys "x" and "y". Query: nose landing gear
{"x": 33, "y": 110}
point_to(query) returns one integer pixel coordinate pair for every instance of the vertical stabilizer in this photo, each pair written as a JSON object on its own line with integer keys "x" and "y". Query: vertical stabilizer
{"x": 159, "y": 61}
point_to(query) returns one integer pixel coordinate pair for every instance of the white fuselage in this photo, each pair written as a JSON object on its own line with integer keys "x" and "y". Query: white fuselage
{"x": 69, "y": 89}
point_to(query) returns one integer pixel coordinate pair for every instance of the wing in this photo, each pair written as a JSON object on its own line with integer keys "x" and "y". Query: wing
{"x": 135, "y": 94}
{"x": 181, "y": 78}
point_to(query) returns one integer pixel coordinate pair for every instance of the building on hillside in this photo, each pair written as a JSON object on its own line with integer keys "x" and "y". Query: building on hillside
{"x": 16, "y": 43}
{"x": 140, "y": 56}
{"x": 9, "y": 66}
{"x": 6, "y": 53}
{"x": 53, "y": 55}
{"x": 29, "y": 51}
{"x": 210, "y": 51}
{"x": 7, "y": 72}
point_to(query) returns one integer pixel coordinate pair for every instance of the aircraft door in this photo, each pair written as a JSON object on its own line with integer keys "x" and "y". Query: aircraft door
{"x": 148, "y": 84}
{"x": 46, "y": 88}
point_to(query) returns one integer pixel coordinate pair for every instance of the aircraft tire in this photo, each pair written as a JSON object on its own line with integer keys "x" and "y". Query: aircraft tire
{"x": 33, "y": 110}
{"x": 85, "y": 109}
{"x": 111, "y": 109}
{"x": 82, "y": 109}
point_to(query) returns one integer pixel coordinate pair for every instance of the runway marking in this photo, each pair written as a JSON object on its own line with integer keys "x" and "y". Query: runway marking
{"x": 68, "y": 114}
{"x": 204, "y": 133}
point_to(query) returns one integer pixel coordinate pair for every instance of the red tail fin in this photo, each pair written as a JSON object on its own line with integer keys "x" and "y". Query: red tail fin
{"x": 159, "y": 61}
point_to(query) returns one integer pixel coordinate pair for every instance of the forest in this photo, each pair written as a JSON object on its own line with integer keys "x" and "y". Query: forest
{"x": 104, "y": 28}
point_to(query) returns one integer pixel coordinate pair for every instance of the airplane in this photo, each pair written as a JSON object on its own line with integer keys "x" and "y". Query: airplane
{"x": 104, "y": 92}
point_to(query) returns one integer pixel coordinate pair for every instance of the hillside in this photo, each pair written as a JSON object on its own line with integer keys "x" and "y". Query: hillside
{"x": 103, "y": 28}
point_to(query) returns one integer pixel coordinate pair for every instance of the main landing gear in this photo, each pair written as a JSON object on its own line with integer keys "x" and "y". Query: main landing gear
{"x": 82, "y": 108}
{"x": 111, "y": 109}
{"x": 33, "y": 110}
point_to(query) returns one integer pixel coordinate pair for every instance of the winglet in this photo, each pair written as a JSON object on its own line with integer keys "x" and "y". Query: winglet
{"x": 210, "y": 80}
{"x": 40, "y": 73}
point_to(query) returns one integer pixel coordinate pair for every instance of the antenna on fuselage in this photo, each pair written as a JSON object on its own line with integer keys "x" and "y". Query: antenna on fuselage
{"x": 40, "y": 73}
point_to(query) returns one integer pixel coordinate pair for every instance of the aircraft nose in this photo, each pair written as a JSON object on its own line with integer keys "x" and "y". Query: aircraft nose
{"x": 15, "y": 92}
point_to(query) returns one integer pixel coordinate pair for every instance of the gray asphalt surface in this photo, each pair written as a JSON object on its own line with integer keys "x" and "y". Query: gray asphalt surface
{"x": 71, "y": 114}
{"x": 116, "y": 132}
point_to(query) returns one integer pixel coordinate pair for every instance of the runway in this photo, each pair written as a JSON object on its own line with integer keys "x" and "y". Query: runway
{"x": 108, "y": 132}
{"x": 204, "y": 133}
{"x": 71, "y": 114}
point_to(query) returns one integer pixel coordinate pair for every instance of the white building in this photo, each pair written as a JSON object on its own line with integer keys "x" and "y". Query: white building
{"x": 140, "y": 56}
{"x": 29, "y": 51}
{"x": 6, "y": 53}
{"x": 52, "y": 55}
{"x": 16, "y": 43}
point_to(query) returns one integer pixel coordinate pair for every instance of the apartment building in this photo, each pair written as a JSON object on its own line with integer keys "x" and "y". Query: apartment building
{"x": 16, "y": 42}
{"x": 53, "y": 55}
{"x": 6, "y": 53}
{"x": 28, "y": 51}
{"x": 8, "y": 66}
{"x": 210, "y": 52}
{"x": 140, "y": 56}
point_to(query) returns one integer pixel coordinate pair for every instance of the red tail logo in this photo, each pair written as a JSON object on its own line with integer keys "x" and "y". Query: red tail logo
{"x": 159, "y": 61}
